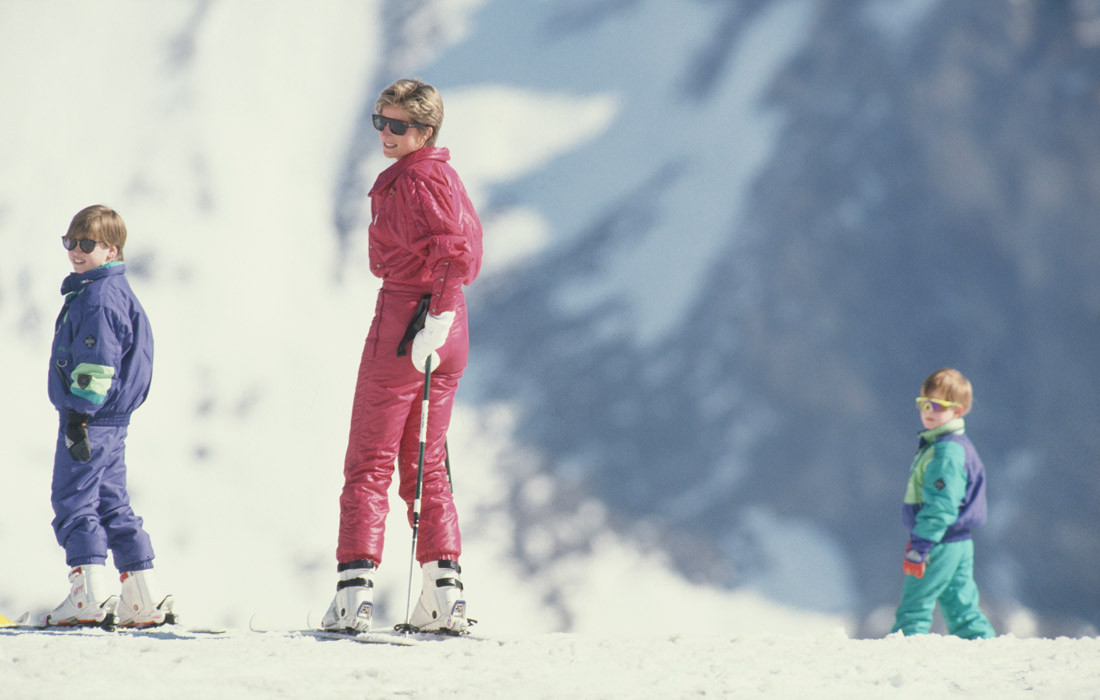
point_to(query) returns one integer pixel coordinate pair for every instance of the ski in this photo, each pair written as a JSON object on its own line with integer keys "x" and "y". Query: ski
{"x": 382, "y": 637}
{"x": 172, "y": 631}
{"x": 405, "y": 638}
{"x": 169, "y": 630}
{"x": 172, "y": 626}
{"x": 23, "y": 625}
{"x": 159, "y": 632}
{"x": 400, "y": 635}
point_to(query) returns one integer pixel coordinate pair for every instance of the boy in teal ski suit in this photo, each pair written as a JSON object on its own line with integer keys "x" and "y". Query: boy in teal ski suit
{"x": 944, "y": 500}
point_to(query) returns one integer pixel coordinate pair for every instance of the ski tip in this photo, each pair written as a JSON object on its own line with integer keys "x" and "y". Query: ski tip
{"x": 255, "y": 623}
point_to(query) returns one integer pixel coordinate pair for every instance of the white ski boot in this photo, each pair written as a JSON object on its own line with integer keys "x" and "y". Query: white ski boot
{"x": 88, "y": 603}
{"x": 353, "y": 605}
{"x": 442, "y": 607}
{"x": 140, "y": 604}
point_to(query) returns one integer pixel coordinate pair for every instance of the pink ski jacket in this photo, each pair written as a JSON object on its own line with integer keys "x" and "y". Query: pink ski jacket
{"x": 424, "y": 233}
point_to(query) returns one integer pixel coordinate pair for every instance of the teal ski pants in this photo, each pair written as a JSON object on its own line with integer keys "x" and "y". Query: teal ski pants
{"x": 948, "y": 579}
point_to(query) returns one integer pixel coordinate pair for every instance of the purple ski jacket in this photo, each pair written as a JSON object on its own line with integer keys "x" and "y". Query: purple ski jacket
{"x": 101, "y": 363}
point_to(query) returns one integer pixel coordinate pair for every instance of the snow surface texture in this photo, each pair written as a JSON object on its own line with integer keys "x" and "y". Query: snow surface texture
{"x": 593, "y": 666}
{"x": 220, "y": 144}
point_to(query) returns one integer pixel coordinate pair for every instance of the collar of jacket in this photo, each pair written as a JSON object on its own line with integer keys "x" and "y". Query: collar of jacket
{"x": 77, "y": 280}
{"x": 955, "y": 425}
{"x": 387, "y": 176}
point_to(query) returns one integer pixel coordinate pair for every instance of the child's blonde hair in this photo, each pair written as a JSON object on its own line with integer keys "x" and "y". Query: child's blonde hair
{"x": 951, "y": 385}
{"x": 99, "y": 223}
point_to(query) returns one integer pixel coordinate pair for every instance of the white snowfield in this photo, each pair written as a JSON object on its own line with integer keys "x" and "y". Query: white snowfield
{"x": 245, "y": 664}
{"x": 235, "y": 463}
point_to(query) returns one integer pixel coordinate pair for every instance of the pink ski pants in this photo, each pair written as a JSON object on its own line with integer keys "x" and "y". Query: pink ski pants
{"x": 385, "y": 427}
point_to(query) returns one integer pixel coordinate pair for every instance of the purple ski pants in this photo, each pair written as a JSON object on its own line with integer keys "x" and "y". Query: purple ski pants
{"x": 92, "y": 507}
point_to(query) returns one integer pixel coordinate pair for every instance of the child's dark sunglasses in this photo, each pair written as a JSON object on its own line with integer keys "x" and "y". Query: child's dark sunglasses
{"x": 397, "y": 127}
{"x": 86, "y": 244}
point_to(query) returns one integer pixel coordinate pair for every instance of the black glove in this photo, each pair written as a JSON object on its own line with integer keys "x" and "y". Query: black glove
{"x": 76, "y": 437}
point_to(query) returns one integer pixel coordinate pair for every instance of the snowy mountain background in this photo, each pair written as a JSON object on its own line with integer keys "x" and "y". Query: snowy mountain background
{"x": 724, "y": 243}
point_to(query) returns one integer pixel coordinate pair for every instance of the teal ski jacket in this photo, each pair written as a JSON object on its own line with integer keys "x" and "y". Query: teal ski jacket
{"x": 945, "y": 496}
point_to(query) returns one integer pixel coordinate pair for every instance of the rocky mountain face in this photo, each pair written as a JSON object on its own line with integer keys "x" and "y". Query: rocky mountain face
{"x": 930, "y": 200}
{"x": 798, "y": 210}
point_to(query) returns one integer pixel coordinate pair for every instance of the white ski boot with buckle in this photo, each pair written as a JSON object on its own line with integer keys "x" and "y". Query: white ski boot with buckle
{"x": 140, "y": 604}
{"x": 353, "y": 606}
{"x": 442, "y": 607}
{"x": 89, "y": 603}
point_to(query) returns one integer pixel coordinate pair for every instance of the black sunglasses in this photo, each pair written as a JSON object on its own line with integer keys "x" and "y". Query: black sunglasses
{"x": 397, "y": 127}
{"x": 86, "y": 244}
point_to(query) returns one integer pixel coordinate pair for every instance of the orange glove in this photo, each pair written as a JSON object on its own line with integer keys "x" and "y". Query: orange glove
{"x": 914, "y": 562}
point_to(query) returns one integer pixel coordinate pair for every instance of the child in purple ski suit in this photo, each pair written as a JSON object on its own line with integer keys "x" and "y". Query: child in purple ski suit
{"x": 101, "y": 366}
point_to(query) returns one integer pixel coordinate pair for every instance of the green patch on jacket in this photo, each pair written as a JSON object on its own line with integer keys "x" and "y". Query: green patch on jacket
{"x": 914, "y": 489}
{"x": 92, "y": 382}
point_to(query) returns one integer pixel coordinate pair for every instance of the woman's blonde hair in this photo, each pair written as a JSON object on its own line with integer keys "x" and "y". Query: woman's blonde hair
{"x": 99, "y": 223}
{"x": 419, "y": 100}
{"x": 951, "y": 385}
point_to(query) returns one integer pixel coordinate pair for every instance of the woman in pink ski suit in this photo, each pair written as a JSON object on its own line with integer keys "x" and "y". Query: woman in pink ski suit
{"x": 425, "y": 244}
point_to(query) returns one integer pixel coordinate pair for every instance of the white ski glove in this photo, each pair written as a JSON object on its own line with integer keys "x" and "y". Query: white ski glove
{"x": 430, "y": 338}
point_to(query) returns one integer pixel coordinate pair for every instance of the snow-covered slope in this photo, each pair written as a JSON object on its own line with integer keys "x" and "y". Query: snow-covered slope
{"x": 653, "y": 665}
{"x": 704, "y": 307}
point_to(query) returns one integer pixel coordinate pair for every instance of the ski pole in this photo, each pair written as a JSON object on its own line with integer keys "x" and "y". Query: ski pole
{"x": 447, "y": 463}
{"x": 407, "y": 626}
{"x": 414, "y": 327}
